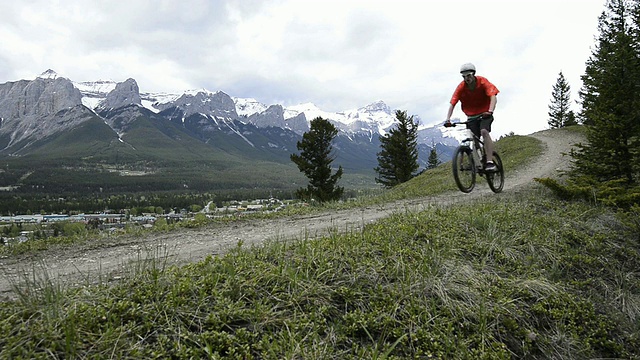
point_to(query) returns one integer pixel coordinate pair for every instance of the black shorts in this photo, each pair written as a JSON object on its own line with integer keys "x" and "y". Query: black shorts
{"x": 482, "y": 123}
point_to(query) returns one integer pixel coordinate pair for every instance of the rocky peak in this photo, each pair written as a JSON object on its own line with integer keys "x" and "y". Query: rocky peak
{"x": 125, "y": 93}
{"x": 298, "y": 124}
{"x": 272, "y": 116}
{"x": 35, "y": 109}
{"x": 41, "y": 96}
{"x": 216, "y": 104}
{"x": 378, "y": 106}
{"x": 49, "y": 74}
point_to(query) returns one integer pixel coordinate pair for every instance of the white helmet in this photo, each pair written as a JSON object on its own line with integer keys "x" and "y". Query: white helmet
{"x": 467, "y": 67}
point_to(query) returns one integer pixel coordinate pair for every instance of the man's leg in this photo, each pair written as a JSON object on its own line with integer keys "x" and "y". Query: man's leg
{"x": 488, "y": 144}
{"x": 485, "y": 131}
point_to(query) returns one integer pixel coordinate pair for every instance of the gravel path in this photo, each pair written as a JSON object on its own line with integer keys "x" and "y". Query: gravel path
{"x": 109, "y": 258}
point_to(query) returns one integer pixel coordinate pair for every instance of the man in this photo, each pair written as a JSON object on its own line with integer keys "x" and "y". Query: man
{"x": 478, "y": 97}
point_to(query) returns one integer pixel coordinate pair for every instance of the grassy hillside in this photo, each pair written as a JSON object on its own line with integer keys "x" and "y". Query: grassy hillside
{"x": 516, "y": 275}
{"x": 91, "y": 159}
{"x": 98, "y": 142}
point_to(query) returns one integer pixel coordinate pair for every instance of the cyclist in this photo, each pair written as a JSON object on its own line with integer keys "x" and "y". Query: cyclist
{"x": 477, "y": 96}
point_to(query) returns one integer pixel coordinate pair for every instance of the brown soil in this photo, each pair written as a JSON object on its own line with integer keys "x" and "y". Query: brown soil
{"x": 108, "y": 258}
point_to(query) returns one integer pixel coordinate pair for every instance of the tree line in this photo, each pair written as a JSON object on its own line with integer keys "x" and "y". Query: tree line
{"x": 606, "y": 167}
{"x": 130, "y": 203}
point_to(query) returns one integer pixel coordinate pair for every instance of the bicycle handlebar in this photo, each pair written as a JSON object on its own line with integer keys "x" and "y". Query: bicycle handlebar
{"x": 470, "y": 119}
{"x": 452, "y": 124}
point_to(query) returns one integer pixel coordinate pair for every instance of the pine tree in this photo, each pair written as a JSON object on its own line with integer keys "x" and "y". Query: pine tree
{"x": 433, "y": 161}
{"x": 315, "y": 162}
{"x": 571, "y": 119}
{"x": 611, "y": 99}
{"x": 559, "y": 111}
{"x": 398, "y": 159}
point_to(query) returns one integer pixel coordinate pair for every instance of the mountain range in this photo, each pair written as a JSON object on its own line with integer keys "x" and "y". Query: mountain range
{"x": 207, "y": 139}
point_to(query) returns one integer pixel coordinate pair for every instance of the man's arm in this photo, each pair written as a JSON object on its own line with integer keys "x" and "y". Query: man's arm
{"x": 493, "y": 100}
{"x": 450, "y": 112}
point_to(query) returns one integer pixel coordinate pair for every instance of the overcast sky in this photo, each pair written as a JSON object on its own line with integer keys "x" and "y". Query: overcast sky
{"x": 339, "y": 55}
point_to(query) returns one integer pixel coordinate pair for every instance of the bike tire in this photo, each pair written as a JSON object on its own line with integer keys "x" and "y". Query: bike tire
{"x": 464, "y": 169}
{"x": 496, "y": 178}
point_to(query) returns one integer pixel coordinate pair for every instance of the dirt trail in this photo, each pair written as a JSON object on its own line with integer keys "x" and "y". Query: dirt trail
{"x": 109, "y": 258}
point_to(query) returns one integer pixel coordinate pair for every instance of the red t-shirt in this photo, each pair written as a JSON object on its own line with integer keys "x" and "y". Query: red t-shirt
{"x": 474, "y": 101}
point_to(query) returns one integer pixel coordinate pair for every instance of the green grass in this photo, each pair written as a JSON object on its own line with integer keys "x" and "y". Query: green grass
{"x": 516, "y": 275}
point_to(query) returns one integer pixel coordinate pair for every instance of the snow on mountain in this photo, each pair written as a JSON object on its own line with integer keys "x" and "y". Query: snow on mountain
{"x": 94, "y": 91}
{"x": 311, "y": 111}
{"x": 152, "y": 100}
{"x": 377, "y": 112}
{"x": 458, "y": 133}
{"x": 250, "y": 106}
{"x": 375, "y": 117}
{"x": 149, "y": 100}
{"x": 100, "y": 87}
{"x": 49, "y": 74}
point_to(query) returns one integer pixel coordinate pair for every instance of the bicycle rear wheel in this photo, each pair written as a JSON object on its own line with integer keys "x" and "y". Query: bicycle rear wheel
{"x": 496, "y": 178}
{"x": 464, "y": 169}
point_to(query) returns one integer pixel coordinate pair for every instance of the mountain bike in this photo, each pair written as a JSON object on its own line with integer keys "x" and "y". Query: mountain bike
{"x": 469, "y": 159}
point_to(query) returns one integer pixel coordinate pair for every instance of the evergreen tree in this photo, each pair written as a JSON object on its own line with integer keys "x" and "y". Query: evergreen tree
{"x": 398, "y": 159}
{"x": 559, "y": 112}
{"x": 315, "y": 162}
{"x": 433, "y": 161}
{"x": 571, "y": 119}
{"x": 611, "y": 99}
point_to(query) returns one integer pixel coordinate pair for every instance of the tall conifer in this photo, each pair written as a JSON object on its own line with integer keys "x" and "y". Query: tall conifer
{"x": 433, "y": 161}
{"x": 315, "y": 160}
{"x": 611, "y": 98}
{"x": 398, "y": 159}
{"x": 560, "y": 114}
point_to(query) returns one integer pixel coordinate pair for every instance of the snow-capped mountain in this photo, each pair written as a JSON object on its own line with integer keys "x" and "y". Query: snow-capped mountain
{"x": 373, "y": 119}
{"x": 32, "y": 111}
{"x": 376, "y": 117}
{"x": 48, "y": 74}
{"x": 66, "y": 136}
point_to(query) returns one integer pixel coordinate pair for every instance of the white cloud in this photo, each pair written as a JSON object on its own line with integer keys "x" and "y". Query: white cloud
{"x": 337, "y": 54}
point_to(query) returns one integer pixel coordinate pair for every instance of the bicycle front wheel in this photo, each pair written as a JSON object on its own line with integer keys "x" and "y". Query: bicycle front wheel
{"x": 496, "y": 178}
{"x": 464, "y": 169}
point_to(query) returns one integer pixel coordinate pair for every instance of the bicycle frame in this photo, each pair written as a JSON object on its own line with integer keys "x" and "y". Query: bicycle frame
{"x": 476, "y": 145}
{"x": 472, "y": 148}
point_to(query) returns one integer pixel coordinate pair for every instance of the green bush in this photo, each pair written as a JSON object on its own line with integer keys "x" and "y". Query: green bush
{"x": 615, "y": 193}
